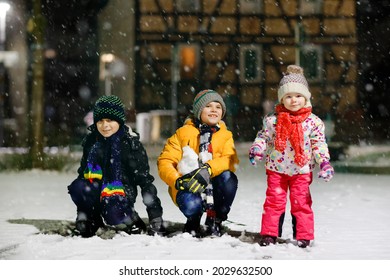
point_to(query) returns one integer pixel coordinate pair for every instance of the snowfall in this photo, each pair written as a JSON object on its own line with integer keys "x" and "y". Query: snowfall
{"x": 352, "y": 224}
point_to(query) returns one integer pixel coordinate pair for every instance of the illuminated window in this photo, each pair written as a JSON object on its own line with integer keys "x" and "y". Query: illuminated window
{"x": 188, "y": 61}
{"x": 250, "y": 64}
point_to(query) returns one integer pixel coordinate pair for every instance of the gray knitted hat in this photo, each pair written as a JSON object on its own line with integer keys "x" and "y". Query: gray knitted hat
{"x": 205, "y": 97}
{"x": 109, "y": 107}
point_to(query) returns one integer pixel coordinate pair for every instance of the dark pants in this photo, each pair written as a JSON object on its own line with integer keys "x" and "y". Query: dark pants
{"x": 115, "y": 209}
{"x": 224, "y": 190}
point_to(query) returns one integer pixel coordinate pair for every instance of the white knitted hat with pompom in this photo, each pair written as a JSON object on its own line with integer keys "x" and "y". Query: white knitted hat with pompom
{"x": 294, "y": 81}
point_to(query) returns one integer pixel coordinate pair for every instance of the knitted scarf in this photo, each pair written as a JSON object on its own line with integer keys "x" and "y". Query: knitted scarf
{"x": 112, "y": 184}
{"x": 205, "y": 148}
{"x": 206, "y": 154}
{"x": 289, "y": 127}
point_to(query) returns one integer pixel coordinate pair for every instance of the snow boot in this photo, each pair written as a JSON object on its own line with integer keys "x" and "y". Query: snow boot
{"x": 213, "y": 226}
{"x": 137, "y": 227}
{"x": 192, "y": 226}
{"x": 87, "y": 227}
{"x": 157, "y": 227}
{"x": 267, "y": 240}
{"x": 303, "y": 243}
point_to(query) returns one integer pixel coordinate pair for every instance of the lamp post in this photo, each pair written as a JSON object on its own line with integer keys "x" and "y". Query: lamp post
{"x": 4, "y": 8}
{"x": 105, "y": 73}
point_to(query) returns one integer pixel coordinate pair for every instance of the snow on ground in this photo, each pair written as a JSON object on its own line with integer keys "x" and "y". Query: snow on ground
{"x": 352, "y": 214}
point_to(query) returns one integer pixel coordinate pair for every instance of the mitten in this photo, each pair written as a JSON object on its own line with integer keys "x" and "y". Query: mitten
{"x": 196, "y": 181}
{"x": 326, "y": 171}
{"x": 255, "y": 154}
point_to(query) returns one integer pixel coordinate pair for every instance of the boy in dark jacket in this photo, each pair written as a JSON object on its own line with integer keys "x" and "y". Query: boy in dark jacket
{"x": 113, "y": 164}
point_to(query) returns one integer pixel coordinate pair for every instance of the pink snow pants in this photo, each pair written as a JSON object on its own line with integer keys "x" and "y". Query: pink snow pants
{"x": 300, "y": 201}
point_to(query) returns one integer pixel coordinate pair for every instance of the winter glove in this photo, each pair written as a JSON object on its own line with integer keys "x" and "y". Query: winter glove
{"x": 195, "y": 181}
{"x": 326, "y": 172}
{"x": 255, "y": 154}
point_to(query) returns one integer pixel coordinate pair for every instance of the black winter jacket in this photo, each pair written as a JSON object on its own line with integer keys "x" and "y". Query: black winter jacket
{"x": 134, "y": 165}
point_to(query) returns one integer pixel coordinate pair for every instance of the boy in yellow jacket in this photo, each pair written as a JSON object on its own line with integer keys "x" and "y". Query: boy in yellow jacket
{"x": 208, "y": 136}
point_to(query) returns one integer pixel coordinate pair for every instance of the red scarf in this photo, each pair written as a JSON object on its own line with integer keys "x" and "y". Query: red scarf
{"x": 289, "y": 127}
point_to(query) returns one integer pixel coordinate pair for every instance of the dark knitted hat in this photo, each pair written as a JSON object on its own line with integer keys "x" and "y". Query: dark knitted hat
{"x": 205, "y": 97}
{"x": 109, "y": 107}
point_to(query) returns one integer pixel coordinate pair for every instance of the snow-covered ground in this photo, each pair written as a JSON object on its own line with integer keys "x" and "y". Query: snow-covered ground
{"x": 352, "y": 214}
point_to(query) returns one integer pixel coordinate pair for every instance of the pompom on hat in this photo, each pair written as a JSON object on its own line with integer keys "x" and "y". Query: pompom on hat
{"x": 294, "y": 81}
{"x": 203, "y": 98}
{"x": 109, "y": 107}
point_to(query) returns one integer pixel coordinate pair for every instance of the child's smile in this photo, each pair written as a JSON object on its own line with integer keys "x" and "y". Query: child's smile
{"x": 107, "y": 127}
{"x": 212, "y": 113}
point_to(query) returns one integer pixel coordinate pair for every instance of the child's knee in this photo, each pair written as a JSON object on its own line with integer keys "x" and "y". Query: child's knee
{"x": 227, "y": 179}
{"x": 116, "y": 210}
{"x": 190, "y": 204}
{"x": 76, "y": 186}
{"x": 82, "y": 191}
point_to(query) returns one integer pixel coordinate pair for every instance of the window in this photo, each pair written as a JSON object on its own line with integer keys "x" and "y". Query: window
{"x": 311, "y": 61}
{"x": 188, "y": 61}
{"x": 307, "y": 7}
{"x": 250, "y": 64}
{"x": 250, "y": 6}
{"x": 187, "y": 5}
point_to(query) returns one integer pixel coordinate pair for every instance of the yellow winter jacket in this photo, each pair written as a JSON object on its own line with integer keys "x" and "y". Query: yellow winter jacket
{"x": 224, "y": 153}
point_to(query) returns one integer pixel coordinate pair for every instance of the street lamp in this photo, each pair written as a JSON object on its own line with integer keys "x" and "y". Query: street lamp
{"x": 4, "y": 8}
{"x": 105, "y": 74}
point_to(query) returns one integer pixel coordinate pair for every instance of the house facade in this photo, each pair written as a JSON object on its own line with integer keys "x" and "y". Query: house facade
{"x": 241, "y": 48}
{"x": 157, "y": 54}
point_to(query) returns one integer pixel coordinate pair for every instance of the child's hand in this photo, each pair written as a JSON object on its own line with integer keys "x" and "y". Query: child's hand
{"x": 255, "y": 154}
{"x": 326, "y": 172}
{"x": 196, "y": 181}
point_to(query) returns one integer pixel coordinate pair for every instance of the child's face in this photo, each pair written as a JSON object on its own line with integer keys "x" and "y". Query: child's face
{"x": 107, "y": 127}
{"x": 293, "y": 101}
{"x": 212, "y": 113}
